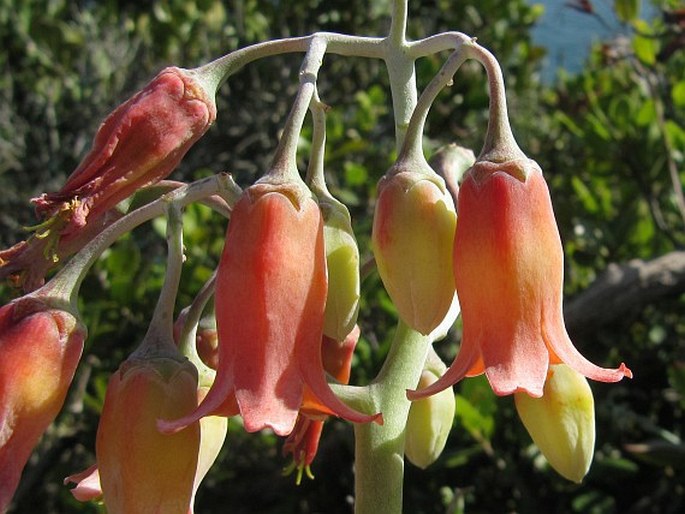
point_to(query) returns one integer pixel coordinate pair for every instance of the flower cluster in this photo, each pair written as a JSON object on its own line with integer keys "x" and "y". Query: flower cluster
{"x": 286, "y": 302}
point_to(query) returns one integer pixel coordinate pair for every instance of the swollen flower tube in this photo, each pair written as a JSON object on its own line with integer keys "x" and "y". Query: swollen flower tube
{"x": 270, "y": 297}
{"x": 508, "y": 269}
{"x": 41, "y": 346}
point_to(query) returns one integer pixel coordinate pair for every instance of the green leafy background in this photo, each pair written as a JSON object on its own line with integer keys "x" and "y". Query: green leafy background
{"x": 610, "y": 138}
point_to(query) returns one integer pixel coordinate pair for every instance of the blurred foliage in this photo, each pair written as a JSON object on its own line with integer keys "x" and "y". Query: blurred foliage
{"x": 610, "y": 138}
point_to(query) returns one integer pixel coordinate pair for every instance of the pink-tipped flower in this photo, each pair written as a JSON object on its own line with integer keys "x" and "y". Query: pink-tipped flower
{"x": 142, "y": 470}
{"x": 88, "y": 487}
{"x": 138, "y": 144}
{"x": 508, "y": 265}
{"x": 270, "y": 297}
{"x": 413, "y": 235}
{"x": 40, "y": 347}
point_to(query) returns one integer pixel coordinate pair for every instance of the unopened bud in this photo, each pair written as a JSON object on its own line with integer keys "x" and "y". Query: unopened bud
{"x": 562, "y": 422}
{"x": 141, "y": 469}
{"x": 429, "y": 424}
{"x": 413, "y": 237}
{"x": 342, "y": 260}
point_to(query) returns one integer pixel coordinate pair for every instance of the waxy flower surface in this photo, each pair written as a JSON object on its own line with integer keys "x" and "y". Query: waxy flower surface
{"x": 270, "y": 296}
{"x": 429, "y": 424}
{"x": 508, "y": 266}
{"x": 138, "y": 144}
{"x": 342, "y": 262}
{"x": 213, "y": 431}
{"x": 142, "y": 470}
{"x": 413, "y": 236}
{"x": 562, "y": 421}
{"x": 40, "y": 347}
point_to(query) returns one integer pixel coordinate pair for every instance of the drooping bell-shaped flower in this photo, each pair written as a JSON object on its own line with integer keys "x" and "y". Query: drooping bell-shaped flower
{"x": 412, "y": 239}
{"x": 213, "y": 429}
{"x": 270, "y": 297}
{"x": 142, "y": 470}
{"x": 342, "y": 252}
{"x": 40, "y": 347}
{"x": 508, "y": 266}
{"x": 562, "y": 421}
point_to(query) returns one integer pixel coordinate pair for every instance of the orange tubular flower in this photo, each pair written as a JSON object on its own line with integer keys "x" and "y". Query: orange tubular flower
{"x": 303, "y": 441}
{"x": 40, "y": 347}
{"x": 413, "y": 236}
{"x": 158, "y": 472}
{"x": 508, "y": 265}
{"x": 138, "y": 144}
{"x": 270, "y": 296}
{"x": 213, "y": 431}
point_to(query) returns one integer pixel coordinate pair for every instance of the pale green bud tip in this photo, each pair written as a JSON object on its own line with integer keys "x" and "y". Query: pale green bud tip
{"x": 562, "y": 422}
{"x": 342, "y": 263}
{"x": 429, "y": 424}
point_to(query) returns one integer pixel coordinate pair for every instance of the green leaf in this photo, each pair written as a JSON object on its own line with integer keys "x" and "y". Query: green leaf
{"x": 627, "y": 10}
{"x": 355, "y": 174}
{"x": 476, "y": 406}
{"x": 646, "y": 115}
{"x": 678, "y": 94}
{"x": 584, "y": 195}
{"x": 645, "y": 49}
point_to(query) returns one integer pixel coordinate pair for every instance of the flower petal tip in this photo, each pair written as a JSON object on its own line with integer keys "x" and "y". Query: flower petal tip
{"x": 627, "y": 373}
{"x": 418, "y": 394}
{"x": 172, "y": 426}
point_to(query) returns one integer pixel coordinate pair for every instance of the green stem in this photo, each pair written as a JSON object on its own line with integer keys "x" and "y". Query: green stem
{"x": 398, "y": 23}
{"x": 379, "y": 449}
{"x": 66, "y": 283}
{"x": 500, "y": 145}
{"x": 188, "y": 337}
{"x": 316, "y": 178}
{"x": 284, "y": 167}
{"x": 401, "y": 70}
{"x": 219, "y": 70}
{"x": 413, "y": 143}
{"x": 159, "y": 339}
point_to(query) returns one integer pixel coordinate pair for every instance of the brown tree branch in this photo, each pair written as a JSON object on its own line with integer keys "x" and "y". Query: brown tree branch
{"x": 625, "y": 288}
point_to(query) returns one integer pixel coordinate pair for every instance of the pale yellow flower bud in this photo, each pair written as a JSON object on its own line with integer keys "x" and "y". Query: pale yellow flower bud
{"x": 429, "y": 424}
{"x": 562, "y": 421}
